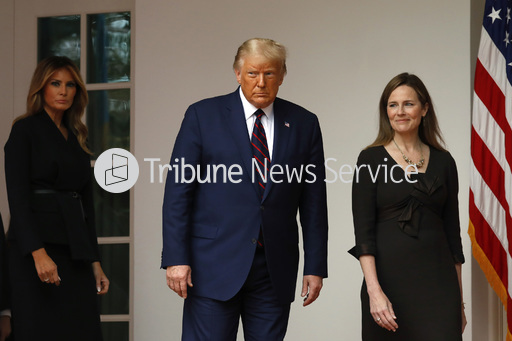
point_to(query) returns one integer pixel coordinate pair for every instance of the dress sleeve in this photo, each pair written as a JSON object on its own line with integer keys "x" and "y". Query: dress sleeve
{"x": 451, "y": 212}
{"x": 364, "y": 207}
{"x": 18, "y": 168}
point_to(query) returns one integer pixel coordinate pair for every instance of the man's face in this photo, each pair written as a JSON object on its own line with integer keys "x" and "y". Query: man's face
{"x": 260, "y": 79}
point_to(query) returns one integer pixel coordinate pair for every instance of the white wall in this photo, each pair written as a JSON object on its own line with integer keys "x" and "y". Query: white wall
{"x": 6, "y": 91}
{"x": 341, "y": 55}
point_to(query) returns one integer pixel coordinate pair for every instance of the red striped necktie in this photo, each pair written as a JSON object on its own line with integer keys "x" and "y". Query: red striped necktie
{"x": 260, "y": 150}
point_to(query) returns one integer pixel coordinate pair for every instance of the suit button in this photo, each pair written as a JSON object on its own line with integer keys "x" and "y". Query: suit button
{"x": 262, "y": 207}
{"x": 254, "y": 240}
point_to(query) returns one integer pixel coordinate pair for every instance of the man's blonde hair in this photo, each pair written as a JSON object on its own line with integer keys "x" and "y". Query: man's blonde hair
{"x": 268, "y": 48}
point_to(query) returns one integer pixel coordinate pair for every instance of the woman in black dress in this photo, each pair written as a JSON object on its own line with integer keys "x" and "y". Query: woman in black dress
{"x": 5, "y": 311}
{"x": 406, "y": 220}
{"x": 53, "y": 256}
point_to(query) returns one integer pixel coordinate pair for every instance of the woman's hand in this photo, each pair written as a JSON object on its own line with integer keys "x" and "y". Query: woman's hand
{"x": 382, "y": 310}
{"x": 45, "y": 267}
{"x": 464, "y": 321}
{"x": 380, "y": 306}
{"x": 458, "y": 268}
{"x": 102, "y": 282}
{"x": 5, "y": 327}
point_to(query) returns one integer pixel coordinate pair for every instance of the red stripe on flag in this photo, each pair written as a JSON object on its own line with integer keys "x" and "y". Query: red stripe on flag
{"x": 492, "y": 174}
{"x": 490, "y": 94}
{"x": 488, "y": 241}
{"x": 489, "y": 168}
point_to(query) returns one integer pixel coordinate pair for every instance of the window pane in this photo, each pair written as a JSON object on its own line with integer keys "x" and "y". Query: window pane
{"x": 59, "y": 36}
{"x": 115, "y": 261}
{"x": 108, "y": 47}
{"x": 115, "y": 331}
{"x": 108, "y": 120}
{"x": 112, "y": 212}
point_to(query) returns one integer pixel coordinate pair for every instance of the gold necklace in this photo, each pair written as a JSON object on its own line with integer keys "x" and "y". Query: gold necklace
{"x": 418, "y": 164}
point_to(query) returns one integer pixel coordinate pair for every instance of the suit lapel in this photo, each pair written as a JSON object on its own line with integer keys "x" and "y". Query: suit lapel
{"x": 282, "y": 129}
{"x": 235, "y": 120}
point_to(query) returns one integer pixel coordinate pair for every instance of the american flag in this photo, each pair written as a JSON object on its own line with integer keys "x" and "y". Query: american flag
{"x": 490, "y": 203}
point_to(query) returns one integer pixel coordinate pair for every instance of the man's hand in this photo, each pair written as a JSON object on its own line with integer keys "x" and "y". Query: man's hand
{"x": 311, "y": 286}
{"x": 178, "y": 278}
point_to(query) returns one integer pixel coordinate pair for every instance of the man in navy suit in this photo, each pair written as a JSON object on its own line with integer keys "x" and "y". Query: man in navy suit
{"x": 230, "y": 232}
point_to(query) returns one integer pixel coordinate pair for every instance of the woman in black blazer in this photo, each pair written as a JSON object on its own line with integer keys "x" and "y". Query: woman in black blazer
{"x": 5, "y": 312}
{"x": 53, "y": 255}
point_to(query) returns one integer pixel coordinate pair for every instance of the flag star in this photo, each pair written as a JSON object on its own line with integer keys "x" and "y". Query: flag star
{"x": 495, "y": 14}
{"x": 507, "y": 39}
{"x": 508, "y": 15}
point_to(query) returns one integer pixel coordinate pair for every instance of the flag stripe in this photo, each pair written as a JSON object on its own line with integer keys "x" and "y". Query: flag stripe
{"x": 488, "y": 268}
{"x": 491, "y": 95}
{"x": 488, "y": 168}
{"x": 488, "y": 242}
{"x": 489, "y": 131}
{"x": 493, "y": 176}
{"x": 493, "y": 61}
{"x": 489, "y": 206}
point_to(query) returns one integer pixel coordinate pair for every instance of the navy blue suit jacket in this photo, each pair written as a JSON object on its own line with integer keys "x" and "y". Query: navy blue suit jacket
{"x": 213, "y": 226}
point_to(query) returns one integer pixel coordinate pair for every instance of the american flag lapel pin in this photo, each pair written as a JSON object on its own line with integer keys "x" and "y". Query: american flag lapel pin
{"x": 286, "y": 124}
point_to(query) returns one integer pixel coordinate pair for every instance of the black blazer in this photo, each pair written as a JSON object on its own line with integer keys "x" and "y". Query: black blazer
{"x": 4, "y": 282}
{"x": 49, "y": 187}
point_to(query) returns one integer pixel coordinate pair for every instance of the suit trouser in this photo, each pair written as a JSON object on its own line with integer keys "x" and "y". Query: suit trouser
{"x": 264, "y": 318}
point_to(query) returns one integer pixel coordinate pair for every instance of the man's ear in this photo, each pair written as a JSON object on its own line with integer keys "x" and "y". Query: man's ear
{"x": 238, "y": 74}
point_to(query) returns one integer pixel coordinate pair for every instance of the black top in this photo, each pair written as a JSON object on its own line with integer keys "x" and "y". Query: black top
{"x": 49, "y": 187}
{"x": 381, "y": 192}
{"x": 411, "y": 226}
{"x": 4, "y": 283}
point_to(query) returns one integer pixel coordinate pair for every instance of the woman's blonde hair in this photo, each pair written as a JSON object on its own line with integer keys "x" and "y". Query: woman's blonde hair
{"x": 35, "y": 99}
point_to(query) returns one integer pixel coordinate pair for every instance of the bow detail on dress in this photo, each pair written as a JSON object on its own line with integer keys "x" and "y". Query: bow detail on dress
{"x": 409, "y": 219}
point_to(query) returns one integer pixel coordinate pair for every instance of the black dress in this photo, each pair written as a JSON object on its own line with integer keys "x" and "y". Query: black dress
{"x": 413, "y": 231}
{"x": 4, "y": 285}
{"x": 50, "y": 199}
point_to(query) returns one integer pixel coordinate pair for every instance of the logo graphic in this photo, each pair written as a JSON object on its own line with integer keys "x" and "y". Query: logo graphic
{"x": 116, "y": 170}
{"x": 119, "y": 171}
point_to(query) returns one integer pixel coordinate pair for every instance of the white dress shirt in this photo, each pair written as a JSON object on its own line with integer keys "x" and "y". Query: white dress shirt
{"x": 267, "y": 120}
